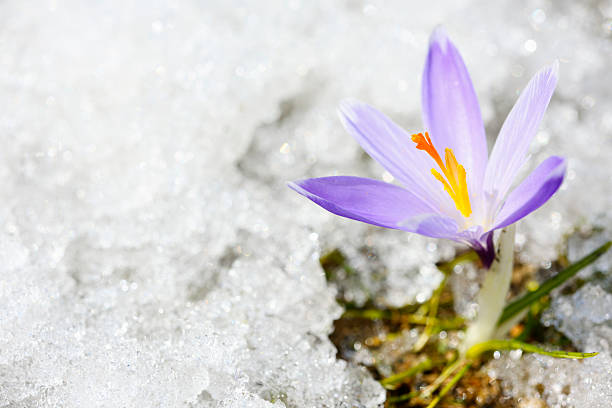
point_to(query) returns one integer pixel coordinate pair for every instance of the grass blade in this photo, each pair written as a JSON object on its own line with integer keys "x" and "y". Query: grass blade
{"x": 392, "y": 381}
{"x": 520, "y": 304}
{"x": 447, "y": 372}
{"x": 402, "y": 317}
{"x": 450, "y": 385}
{"x": 491, "y": 345}
{"x": 434, "y": 302}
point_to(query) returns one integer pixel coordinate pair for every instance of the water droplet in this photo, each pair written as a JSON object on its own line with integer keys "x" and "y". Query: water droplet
{"x": 530, "y": 46}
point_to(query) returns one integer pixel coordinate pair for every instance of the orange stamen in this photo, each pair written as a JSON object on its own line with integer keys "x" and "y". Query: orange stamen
{"x": 424, "y": 143}
{"x": 455, "y": 183}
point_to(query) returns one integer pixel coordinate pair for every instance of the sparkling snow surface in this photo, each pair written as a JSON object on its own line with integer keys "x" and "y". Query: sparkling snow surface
{"x": 151, "y": 254}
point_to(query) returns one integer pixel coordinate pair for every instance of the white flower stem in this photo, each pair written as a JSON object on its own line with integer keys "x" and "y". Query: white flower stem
{"x": 492, "y": 296}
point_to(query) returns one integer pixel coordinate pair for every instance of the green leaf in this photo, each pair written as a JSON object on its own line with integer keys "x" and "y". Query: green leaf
{"x": 491, "y": 345}
{"x": 522, "y": 303}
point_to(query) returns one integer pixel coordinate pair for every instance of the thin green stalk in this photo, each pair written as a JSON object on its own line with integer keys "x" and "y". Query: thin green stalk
{"x": 372, "y": 314}
{"x": 447, "y": 372}
{"x": 391, "y": 381}
{"x": 376, "y": 314}
{"x": 402, "y": 398}
{"x": 450, "y": 385}
{"x": 491, "y": 345}
{"x": 433, "y": 311}
{"x": 447, "y": 267}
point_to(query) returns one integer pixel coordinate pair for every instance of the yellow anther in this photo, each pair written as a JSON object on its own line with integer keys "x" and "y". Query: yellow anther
{"x": 455, "y": 183}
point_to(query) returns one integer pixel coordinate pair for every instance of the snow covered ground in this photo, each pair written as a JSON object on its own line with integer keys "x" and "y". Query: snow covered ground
{"x": 150, "y": 252}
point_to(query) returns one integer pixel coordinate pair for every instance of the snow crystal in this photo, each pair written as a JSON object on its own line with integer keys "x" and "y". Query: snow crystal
{"x": 585, "y": 318}
{"x": 151, "y": 252}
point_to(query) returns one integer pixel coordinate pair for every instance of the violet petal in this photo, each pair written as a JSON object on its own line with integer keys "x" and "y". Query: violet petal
{"x": 517, "y": 132}
{"x": 533, "y": 192}
{"x": 392, "y": 147}
{"x": 362, "y": 199}
{"x": 451, "y": 111}
{"x": 433, "y": 225}
{"x": 485, "y": 249}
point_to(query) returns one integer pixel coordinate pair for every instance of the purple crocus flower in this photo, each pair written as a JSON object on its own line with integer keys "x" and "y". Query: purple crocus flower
{"x": 465, "y": 195}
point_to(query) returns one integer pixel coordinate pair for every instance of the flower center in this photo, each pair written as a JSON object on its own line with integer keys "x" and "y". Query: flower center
{"x": 455, "y": 183}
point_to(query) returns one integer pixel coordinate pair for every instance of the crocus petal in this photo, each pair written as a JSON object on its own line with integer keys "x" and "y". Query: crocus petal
{"x": 517, "y": 132}
{"x": 485, "y": 249}
{"x": 362, "y": 199}
{"x": 433, "y": 225}
{"x": 450, "y": 108}
{"x": 392, "y": 147}
{"x": 438, "y": 226}
{"x": 534, "y": 191}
